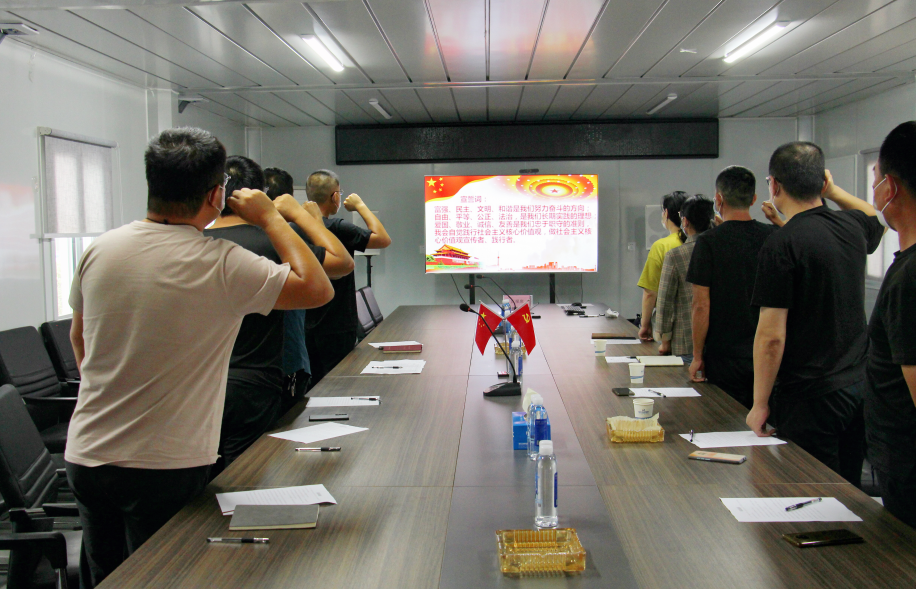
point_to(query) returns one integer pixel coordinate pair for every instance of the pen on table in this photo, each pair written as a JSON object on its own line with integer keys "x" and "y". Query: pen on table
{"x": 364, "y": 399}
{"x": 239, "y": 540}
{"x": 803, "y": 503}
{"x": 657, "y": 393}
{"x": 321, "y": 449}
{"x": 691, "y": 436}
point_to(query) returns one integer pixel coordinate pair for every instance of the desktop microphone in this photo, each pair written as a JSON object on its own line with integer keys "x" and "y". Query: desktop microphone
{"x": 511, "y": 300}
{"x": 503, "y": 389}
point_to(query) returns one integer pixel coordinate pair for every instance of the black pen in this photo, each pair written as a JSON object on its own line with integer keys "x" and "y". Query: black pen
{"x": 657, "y": 393}
{"x": 691, "y": 436}
{"x": 322, "y": 449}
{"x": 364, "y": 399}
{"x": 239, "y": 540}
{"x": 803, "y": 503}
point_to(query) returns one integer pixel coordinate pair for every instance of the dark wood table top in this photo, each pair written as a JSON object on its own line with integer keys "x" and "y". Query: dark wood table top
{"x": 422, "y": 490}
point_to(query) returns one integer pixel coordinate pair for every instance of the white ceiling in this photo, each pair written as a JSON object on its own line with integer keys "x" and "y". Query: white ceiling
{"x": 485, "y": 60}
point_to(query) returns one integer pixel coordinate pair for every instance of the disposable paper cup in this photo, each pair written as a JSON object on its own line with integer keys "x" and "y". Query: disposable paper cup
{"x": 637, "y": 372}
{"x": 600, "y": 346}
{"x": 642, "y": 408}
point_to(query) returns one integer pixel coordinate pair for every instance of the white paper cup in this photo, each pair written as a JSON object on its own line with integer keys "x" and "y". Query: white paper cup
{"x": 642, "y": 408}
{"x": 637, "y": 372}
{"x": 600, "y": 346}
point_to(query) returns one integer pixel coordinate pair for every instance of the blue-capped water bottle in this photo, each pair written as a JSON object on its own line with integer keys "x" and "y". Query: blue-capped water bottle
{"x": 538, "y": 425}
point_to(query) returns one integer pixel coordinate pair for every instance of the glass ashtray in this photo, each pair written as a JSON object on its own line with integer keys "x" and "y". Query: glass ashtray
{"x": 530, "y": 553}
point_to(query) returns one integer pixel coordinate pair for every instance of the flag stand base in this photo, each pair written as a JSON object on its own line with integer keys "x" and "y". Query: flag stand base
{"x": 504, "y": 389}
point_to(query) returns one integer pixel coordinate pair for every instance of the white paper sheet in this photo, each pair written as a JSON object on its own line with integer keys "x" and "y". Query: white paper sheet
{"x": 340, "y": 401}
{"x": 316, "y": 433}
{"x": 629, "y": 342}
{"x": 395, "y": 367}
{"x": 304, "y": 495}
{"x": 773, "y": 509}
{"x": 381, "y": 344}
{"x": 661, "y": 360}
{"x": 730, "y": 440}
{"x": 666, "y": 391}
{"x": 621, "y": 359}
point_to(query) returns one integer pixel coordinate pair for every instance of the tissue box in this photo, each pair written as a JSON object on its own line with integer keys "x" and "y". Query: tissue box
{"x": 519, "y": 431}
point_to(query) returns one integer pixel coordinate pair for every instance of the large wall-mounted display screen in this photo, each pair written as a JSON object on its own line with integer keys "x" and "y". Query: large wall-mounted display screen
{"x": 512, "y": 223}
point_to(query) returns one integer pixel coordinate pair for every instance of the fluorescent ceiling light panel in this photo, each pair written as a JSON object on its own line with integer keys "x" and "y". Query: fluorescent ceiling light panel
{"x": 319, "y": 48}
{"x": 374, "y": 103}
{"x": 671, "y": 98}
{"x": 765, "y": 36}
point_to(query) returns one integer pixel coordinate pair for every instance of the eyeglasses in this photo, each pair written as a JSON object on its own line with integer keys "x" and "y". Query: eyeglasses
{"x": 226, "y": 178}
{"x": 772, "y": 178}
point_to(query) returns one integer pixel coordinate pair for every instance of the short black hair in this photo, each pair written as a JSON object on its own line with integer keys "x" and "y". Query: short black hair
{"x": 737, "y": 186}
{"x": 672, "y": 203}
{"x": 799, "y": 167}
{"x": 320, "y": 185}
{"x": 700, "y": 211}
{"x": 278, "y": 182}
{"x": 243, "y": 173}
{"x": 182, "y": 166}
{"x": 897, "y": 155}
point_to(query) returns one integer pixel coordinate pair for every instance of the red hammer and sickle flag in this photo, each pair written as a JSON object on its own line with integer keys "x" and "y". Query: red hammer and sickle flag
{"x": 492, "y": 319}
{"x": 521, "y": 320}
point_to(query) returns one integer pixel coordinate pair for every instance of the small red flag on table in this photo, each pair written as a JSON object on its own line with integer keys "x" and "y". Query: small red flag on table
{"x": 492, "y": 319}
{"x": 521, "y": 320}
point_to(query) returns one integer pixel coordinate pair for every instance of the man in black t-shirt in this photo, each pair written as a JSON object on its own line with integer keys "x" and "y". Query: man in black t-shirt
{"x": 811, "y": 331}
{"x": 331, "y": 330}
{"x": 890, "y": 401}
{"x": 255, "y": 381}
{"x": 723, "y": 269}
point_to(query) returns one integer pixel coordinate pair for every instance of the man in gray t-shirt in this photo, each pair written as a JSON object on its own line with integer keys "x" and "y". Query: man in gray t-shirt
{"x": 156, "y": 308}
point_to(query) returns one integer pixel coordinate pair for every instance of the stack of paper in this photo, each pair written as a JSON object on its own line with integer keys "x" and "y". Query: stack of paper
{"x": 304, "y": 495}
{"x": 621, "y": 359}
{"x": 633, "y": 341}
{"x": 773, "y": 509}
{"x": 731, "y": 440}
{"x": 315, "y": 433}
{"x": 395, "y": 367}
{"x": 660, "y": 360}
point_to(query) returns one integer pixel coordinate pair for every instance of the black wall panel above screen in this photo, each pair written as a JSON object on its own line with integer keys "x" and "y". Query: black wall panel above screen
{"x": 628, "y": 139}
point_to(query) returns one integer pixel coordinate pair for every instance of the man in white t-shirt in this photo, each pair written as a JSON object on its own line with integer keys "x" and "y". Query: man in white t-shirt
{"x": 156, "y": 309}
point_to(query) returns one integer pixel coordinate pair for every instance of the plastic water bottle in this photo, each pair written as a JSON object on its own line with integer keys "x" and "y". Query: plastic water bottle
{"x": 545, "y": 488}
{"x": 537, "y": 425}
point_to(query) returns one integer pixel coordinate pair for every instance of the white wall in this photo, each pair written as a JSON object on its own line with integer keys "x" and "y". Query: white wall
{"x": 42, "y": 90}
{"x": 861, "y": 126}
{"x": 625, "y": 187}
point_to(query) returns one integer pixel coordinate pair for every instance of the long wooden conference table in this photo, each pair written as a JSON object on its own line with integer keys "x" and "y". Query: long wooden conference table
{"x": 421, "y": 493}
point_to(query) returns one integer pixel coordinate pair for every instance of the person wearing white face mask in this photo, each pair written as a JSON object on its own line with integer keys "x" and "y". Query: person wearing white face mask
{"x": 811, "y": 331}
{"x": 890, "y": 399}
{"x": 330, "y": 331}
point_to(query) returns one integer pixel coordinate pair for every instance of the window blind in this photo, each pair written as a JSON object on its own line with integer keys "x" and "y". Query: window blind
{"x": 79, "y": 191}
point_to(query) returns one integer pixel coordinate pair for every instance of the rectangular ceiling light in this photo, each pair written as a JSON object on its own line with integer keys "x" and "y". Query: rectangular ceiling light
{"x": 373, "y": 102}
{"x": 765, "y": 36}
{"x": 671, "y": 98}
{"x": 319, "y": 48}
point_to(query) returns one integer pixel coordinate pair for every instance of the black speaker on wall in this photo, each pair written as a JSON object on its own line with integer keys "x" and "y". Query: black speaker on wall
{"x": 480, "y": 142}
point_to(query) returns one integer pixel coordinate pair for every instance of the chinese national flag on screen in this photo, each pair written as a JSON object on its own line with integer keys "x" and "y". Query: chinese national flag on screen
{"x": 521, "y": 320}
{"x": 483, "y": 334}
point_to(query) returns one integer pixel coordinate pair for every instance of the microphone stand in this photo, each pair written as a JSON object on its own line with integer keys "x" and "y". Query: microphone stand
{"x": 503, "y": 389}
{"x": 500, "y": 328}
{"x": 508, "y": 296}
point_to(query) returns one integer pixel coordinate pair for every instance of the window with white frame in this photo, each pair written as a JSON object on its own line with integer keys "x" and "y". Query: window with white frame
{"x": 881, "y": 260}
{"x": 78, "y": 204}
